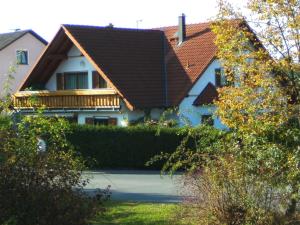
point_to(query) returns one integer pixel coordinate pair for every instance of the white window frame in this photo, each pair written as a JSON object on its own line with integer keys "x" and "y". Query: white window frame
{"x": 22, "y": 64}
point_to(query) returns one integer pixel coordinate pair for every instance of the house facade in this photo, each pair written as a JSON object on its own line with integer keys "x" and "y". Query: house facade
{"x": 116, "y": 76}
{"x": 19, "y": 49}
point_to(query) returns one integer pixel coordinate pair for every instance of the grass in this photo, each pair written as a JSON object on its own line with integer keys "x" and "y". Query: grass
{"x": 130, "y": 213}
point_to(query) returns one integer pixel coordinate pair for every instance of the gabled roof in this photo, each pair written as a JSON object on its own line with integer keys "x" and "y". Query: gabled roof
{"x": 8, "y": 38}
{"x": 131, "y": 59}
{"x": 146, "y": 67}
{"x": 207, "y": 96}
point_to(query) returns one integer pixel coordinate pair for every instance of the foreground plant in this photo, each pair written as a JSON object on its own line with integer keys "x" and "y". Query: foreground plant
{"x": 41, "y": 186}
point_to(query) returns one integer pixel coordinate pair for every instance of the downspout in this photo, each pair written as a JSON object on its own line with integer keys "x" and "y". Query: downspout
{"x": 165, "y": 71}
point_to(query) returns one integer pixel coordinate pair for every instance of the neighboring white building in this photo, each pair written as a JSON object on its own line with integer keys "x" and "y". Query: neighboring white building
{"x": 105, "y": 75}
{"x": 21, "y": 50}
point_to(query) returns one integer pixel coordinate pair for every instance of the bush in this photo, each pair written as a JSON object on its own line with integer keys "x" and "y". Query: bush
{"x": 223, "y": 196}
{"x": 41, "y": 188}
{"x": 123, "y": 147}
{"x": 227, "y": 183}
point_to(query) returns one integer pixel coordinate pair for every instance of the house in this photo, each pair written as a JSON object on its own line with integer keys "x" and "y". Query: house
{"x": 106, "y": 75}
{"x": 19, "y": 49}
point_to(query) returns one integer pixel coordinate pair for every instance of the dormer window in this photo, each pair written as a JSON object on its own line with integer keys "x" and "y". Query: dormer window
{"x": 22, "y": 57}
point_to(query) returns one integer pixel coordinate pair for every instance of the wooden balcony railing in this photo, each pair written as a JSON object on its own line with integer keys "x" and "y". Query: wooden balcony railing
{"x": 67, "y": 99}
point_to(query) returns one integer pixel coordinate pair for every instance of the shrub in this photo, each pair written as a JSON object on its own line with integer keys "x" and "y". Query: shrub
{"x": 233, "y": 181}
{"x": 221, "y": 195}
{"x": 41, "y": 188}
{"x": 123, "y": 147}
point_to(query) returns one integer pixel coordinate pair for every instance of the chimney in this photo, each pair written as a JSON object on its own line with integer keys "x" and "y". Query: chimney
{"x": 181, "y": 29}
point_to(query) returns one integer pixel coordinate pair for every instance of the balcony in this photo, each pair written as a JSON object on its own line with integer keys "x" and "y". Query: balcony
{"x": 67, "y": 99}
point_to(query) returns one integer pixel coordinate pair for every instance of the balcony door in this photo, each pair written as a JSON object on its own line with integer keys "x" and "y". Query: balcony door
{"x": 77, "y": 80}
{"x": 72, "y": 80}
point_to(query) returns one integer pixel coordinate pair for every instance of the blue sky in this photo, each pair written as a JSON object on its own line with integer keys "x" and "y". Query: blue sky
{"x": 45, "y": 16}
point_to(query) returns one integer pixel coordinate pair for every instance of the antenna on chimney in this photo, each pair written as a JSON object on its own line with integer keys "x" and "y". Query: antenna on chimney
{"x": 110, "y": 25}
{"x": 15, "y": 29}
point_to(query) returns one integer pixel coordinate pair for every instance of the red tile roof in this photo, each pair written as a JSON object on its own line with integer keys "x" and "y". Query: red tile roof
{"x": 207, "y": 96}
{"x": 186, "y": 62}
{"x": 146, "y": 67}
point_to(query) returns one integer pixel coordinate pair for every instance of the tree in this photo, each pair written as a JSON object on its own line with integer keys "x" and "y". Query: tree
{"x": 262, "y": 104}
{"x": 250, "y": 174}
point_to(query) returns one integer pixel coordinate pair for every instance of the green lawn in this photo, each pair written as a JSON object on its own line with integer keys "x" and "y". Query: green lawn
{"x": 129, "y": 213}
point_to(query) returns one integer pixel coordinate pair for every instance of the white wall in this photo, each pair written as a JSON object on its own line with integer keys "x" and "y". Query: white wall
{"x": 74, "y": 63}
{"x": 192, "y": 114}
{"x": 8, "y": 57}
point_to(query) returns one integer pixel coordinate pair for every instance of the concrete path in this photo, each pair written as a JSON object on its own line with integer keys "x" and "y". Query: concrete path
{"x": 145, "y": 186}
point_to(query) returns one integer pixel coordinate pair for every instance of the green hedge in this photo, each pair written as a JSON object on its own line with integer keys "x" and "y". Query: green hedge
{"x": 123, "y": 148}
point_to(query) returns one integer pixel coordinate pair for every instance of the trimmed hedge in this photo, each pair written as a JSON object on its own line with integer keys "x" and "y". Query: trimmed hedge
{"x": 123, "y": 147}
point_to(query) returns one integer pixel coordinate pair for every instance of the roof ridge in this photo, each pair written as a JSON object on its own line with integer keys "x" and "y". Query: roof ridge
{"x": 18, "y": 31}
{"x": 8, "y": 38}
{"x": 175, "y": 26}
{"x": 109, "y": 28}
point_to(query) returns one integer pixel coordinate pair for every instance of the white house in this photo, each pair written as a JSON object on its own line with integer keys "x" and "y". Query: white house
{"x": 19, "y": 49}
{"x": 106, "y": 75}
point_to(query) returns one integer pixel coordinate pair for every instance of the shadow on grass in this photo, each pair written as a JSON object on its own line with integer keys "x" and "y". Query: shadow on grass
{"x": 129, "y": 213}
{"x": 140, "y": 197}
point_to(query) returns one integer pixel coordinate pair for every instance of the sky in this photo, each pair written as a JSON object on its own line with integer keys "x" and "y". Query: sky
{"x": 46, "y": 16}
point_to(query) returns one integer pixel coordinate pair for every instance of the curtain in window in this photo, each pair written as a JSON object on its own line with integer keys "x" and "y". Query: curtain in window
{"x": 76, "y": 80}
{"x": 71, "y": 81}
{"x": 22, "y": 57}
{"x": 82, "y": 81}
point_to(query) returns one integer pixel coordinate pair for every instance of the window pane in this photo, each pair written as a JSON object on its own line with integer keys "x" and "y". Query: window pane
{"x": 71, "y": 81}
{"x": 223, "y": 78}
{"x": 24, "y": 57}
{"x": 18, "y": 57}
{"x": 102, "y": 83}
{"x": 82, "y": 81}
{"x": 101, "y": 121}
{"x": 218, "y": 77}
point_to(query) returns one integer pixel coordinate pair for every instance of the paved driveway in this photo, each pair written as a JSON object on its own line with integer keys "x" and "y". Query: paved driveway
{"x": 146, "y": 186}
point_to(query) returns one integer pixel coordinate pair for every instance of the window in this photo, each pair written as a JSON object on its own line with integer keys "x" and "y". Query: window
{"x": 98, "y": 81}
{"x": 77, "y": 80}
{"x": 207, "y": 119}
{"x": 101, "y": 121}
{"x": 104, "y": 121}
{"x": 72, "y": 119}
{"x": 72, "y": 80}
{"x": 220, "y": 79}
{"x": 22, "y": 57}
